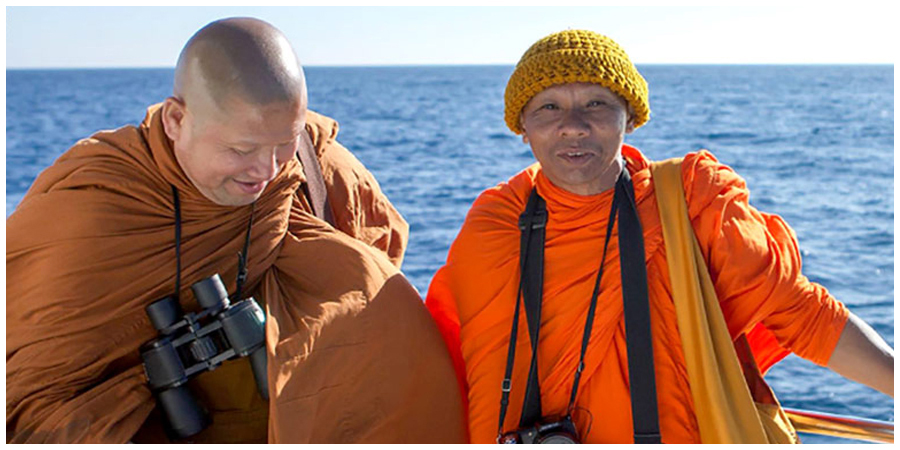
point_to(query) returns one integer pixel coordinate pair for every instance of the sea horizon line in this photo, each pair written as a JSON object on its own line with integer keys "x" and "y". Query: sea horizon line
{"x": 387, "y": 66}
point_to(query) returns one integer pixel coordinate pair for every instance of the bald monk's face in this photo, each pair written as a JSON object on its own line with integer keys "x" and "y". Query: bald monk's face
{"x": 576, "y": 132}
{"x": 231, "y": 152}
{"x": 238, "y": 109}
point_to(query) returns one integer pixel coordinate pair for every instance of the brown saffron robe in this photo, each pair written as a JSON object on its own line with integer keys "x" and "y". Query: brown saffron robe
{"x": 359, "y": 207}
{"x": 353, "y": 355}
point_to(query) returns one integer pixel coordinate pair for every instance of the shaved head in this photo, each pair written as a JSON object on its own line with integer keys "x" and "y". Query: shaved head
{"x": 238, "y": 109}
{"x": 239, "y": 59}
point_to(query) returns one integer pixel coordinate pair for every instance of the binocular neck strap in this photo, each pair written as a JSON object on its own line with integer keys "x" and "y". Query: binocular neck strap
{"x": 177, "y": 242}
{"x": 242, "y": 256}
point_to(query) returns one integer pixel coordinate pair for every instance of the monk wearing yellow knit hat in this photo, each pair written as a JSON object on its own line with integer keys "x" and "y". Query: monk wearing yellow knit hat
{"x": 599, "y": 297}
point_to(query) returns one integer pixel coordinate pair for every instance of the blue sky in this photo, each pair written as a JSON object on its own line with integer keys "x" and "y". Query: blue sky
{"x": 39, "y": 37}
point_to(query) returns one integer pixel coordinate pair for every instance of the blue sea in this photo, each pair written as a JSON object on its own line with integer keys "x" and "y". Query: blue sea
{"x": 815, "y": 144}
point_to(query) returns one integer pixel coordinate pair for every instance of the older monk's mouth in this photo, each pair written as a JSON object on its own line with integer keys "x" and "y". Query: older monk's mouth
{"x": 575, "y": 156}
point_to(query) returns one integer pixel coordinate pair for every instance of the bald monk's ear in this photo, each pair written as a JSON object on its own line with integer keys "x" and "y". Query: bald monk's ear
{"x": 173, "y": 114}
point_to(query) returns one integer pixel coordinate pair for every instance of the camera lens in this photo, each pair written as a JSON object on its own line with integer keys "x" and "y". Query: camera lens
{"x": 556, "y": 438}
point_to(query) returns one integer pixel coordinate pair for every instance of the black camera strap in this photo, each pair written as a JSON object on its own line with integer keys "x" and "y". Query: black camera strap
{"x": 636, "y": 305}
{"x": 529, "y": 222}
{"x": 242, "y": 256}
{"x": 638, "y": 336}
{"x": 531, "y": 251}
{"x": 592, "y": 309}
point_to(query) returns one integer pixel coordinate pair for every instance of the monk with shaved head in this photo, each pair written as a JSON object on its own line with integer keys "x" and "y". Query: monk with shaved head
{"x": 245, "y": 57}
{"x": 231, "y": 176}
{"x": 238, "y": 109}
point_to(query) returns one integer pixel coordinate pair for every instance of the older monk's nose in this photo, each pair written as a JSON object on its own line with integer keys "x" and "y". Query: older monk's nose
{"x": 574, "y": 124}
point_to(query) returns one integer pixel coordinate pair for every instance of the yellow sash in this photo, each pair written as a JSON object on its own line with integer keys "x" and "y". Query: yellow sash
{"x": 732, "y": 402}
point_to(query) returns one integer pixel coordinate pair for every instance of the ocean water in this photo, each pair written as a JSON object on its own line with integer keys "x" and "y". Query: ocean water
{"x": 815, "y": 144}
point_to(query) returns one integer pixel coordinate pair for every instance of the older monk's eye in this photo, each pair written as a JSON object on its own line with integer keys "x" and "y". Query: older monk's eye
{"x": 549, "y": 107}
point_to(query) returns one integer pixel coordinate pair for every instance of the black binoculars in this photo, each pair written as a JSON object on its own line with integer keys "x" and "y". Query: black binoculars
{"x": 189, "y": 344}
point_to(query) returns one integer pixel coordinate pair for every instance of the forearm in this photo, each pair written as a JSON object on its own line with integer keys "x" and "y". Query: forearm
{"x": 863, "y": 356}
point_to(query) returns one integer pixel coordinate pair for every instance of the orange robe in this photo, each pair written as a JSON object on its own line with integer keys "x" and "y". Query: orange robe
{"x": 353, "y": 354}
{"x": 753, "y": 260}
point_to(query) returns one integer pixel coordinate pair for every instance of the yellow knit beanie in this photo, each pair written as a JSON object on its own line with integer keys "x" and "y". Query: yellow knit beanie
{"x": 574, "y": 56}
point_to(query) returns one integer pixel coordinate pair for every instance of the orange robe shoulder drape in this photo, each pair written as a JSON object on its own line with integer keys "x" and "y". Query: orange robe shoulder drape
{"x": 353, "y": 355}
{"x": 753, "y": 259}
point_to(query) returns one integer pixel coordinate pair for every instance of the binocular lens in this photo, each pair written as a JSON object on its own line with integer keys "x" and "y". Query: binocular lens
{"x": 186, "y": 417}
{"x": 162, "y": 364}
{"x": 244, "y": 324}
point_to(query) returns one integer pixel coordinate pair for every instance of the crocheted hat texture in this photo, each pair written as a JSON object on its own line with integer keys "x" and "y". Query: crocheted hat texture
{"x": 574, "y": 56}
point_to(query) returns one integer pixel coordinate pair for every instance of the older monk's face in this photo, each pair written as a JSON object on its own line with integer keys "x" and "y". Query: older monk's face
{"x": 576, "y": 132}
{"x": 231, "y": 153}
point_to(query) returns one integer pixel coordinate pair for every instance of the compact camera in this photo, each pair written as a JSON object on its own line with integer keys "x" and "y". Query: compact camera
{"x": 558, "y": 432}
{"x": 189, "y": 344}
